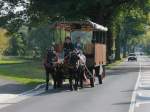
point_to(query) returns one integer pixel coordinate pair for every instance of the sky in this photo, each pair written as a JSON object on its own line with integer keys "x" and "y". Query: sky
{"x": 6, "y": 7}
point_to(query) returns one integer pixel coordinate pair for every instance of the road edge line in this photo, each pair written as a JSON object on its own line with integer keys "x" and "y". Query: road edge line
{"x": 133, "y": 99}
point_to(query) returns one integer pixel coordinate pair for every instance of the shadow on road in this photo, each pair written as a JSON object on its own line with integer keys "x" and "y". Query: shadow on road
{"x": 14, "y": 88}
{"x": 64, "y": 89}
{"x": 123, "y": 71}
{"x": 122, "y": 103}
{"x": 131, "y": 90}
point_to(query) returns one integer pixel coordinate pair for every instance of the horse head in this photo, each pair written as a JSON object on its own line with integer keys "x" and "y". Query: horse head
{"x": 73, "y": 58}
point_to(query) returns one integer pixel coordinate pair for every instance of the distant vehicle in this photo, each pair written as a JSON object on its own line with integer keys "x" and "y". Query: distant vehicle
{"x": 141, "y": 53}
{"x": 138, "y": 53}
{"x": 132, "y": 57}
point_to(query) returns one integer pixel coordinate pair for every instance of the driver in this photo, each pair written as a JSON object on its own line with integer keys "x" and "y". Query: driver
{"x": 68, "y": 46}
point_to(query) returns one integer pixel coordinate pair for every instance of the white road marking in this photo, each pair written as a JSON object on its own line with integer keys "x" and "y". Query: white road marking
{"x": 144, "y": 87}
{"x": 133, "y": 100}
{"x": 8, "y": 96}
{"x": 141, "y": 94}
{"x": 9, "y": 99}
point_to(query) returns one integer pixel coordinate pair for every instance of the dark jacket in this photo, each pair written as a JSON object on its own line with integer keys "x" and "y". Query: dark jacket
{"x": 67, "y": 48}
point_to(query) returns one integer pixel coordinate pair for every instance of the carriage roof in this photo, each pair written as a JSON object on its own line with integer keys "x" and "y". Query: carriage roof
{"x": 79, "y": 25}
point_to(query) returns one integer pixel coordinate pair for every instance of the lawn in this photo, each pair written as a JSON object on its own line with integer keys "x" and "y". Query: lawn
{"x": 114, "y": 64}
{"x": 24, "y": 71}
{"x": 27, "y": 71}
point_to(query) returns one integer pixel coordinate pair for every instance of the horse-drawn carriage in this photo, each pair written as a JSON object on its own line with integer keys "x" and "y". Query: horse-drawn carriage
{"x": 79, "y": 66}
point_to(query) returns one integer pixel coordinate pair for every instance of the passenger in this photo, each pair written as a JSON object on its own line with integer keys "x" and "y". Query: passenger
{"x": 78, "y": 44}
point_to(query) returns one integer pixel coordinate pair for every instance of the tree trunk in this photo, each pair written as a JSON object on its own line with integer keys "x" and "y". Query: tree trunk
{"x": 125, "y": 48}
{"x": 109, "y": 45}
{"x": 117, "y": 53}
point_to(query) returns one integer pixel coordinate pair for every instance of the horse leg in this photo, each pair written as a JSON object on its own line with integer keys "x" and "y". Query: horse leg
{"x": 47, "y": 80}
{"x": 76, "y": 81}
{"x": 98, "y": 75}
{"x": 92, "y": 82}
{"x": 99, "y": 79}
{"x": 76, "y": 84}
{"x": 59, "y": 79}
{"x": 92, "y": 79}
{"x": 59, "y": 83}
{"x": 55, "y": 81}
{"x": 82, "y": 73}
{"x": 71, "y": 79}
{"x": 70, "y": 84}
{"x": 81, "y": 80}
{"x": 81, "y": 77}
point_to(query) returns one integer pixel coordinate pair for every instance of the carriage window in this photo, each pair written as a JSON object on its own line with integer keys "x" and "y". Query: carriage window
{"x": 85, "y": 38}
{"x": 98, "y": 37}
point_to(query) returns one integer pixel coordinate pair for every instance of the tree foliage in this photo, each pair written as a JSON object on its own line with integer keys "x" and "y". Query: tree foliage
{"x": 17, "y": 45}
{"x": 126, "y": 19}
{"x": 4, "y": 41}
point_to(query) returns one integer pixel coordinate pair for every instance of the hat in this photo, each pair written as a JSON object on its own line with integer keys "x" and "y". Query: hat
{"x": 68, "y": 38}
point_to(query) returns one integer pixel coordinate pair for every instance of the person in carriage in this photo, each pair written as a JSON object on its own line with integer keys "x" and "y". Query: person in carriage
{"x": 79, "y": 44}
{"x": 67, "y": 47}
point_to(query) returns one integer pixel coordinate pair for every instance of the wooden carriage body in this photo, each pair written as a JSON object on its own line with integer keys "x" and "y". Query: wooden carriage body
{"x": 94, "y": 45}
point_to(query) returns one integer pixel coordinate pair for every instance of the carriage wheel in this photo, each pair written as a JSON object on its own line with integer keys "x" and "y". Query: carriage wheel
{"x": 92, "y": 82}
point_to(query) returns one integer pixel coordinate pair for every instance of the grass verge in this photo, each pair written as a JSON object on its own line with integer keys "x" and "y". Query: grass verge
{"x": 28, "y": 72}
{"x": 114, "y": 64}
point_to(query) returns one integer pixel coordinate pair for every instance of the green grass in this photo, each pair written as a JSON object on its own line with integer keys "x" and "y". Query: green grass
{"x": 114, "y": 64}
{"x": 27, "y": 71}
{"x": 22, "y": 71}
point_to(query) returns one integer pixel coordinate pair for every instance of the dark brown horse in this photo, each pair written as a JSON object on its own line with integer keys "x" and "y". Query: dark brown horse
{"x": 71, "y": 69}
{"x": 51, "y": 67}
{"x": 59, "y": 71}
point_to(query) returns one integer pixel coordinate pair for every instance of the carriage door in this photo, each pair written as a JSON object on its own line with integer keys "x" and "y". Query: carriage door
{"x": 100, "y": 48}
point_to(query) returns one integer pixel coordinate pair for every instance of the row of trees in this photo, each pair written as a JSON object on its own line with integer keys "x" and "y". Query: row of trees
{"x": 127, "y": 21}
{"x": 4, "y": 41}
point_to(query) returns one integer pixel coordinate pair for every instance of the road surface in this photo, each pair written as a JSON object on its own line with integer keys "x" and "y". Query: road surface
{"x": 141, "y": 96}
{"x": 118, "y": 93}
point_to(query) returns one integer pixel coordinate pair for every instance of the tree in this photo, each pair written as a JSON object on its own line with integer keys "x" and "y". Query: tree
{"x": 17, "y": 45}
{"x": 127, "y": 26}
{"x": 104, "y": 12}
{"x": 4, "y": 41}
{"x": 42, "y": 37}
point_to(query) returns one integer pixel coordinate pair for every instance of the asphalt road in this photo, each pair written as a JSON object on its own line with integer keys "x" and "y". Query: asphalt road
{"x": 142, "y": 90}
{"x": 12, "y": 87}
{"x": 114, "y": 95}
